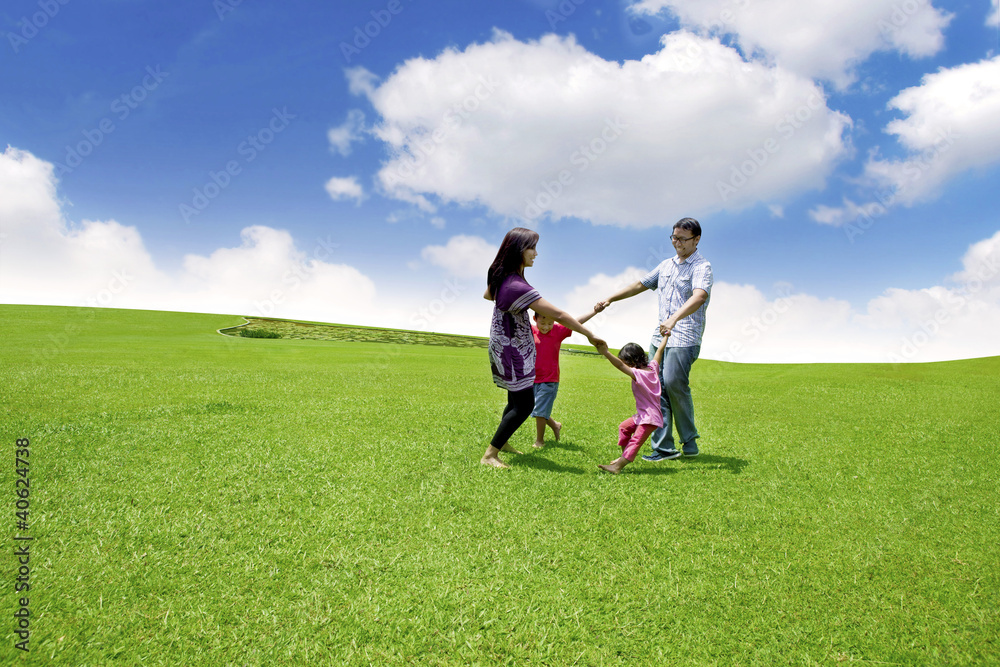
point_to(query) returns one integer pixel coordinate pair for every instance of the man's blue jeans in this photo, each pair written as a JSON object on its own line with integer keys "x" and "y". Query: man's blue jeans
{"x": 675, "y": 398}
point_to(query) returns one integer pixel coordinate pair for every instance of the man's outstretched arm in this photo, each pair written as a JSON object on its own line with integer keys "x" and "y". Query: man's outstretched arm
{"x": 621, "y": 294}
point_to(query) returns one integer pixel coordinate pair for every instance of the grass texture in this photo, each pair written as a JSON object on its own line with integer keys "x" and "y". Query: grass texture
{"x": 214, "y": 500}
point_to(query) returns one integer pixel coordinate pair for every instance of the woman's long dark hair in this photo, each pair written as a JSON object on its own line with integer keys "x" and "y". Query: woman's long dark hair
{"x": 510, "y": 256}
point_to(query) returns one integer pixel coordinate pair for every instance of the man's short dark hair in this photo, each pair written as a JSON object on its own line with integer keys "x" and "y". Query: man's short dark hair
{"x": 689, "y": 224}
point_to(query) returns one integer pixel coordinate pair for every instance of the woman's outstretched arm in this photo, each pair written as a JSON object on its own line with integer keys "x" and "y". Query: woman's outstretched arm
{"x": 543, "y": 307}
{"x": 615, "y": 361}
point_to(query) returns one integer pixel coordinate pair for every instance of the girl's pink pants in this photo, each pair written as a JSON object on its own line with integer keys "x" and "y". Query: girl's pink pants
{"x": 632, "y": 436}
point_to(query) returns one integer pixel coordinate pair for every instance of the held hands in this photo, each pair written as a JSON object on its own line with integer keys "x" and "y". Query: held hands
{"x": 668, "y": 325}
{"x": 594, "y": 340}
{"x": 601, "y": 305}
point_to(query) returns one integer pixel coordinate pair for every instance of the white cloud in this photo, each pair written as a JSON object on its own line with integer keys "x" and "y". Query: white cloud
{"x": 816, "y": 38}
{"x": 526, "y": 127}
{"x": 45, "y": 260}
{"x": 267, "y": 275}
{"x": 994, "y": 18}
{"x": 27, "y": 190}
{"x": 849, "y": 212}
{"x": 932, "y": 324}
{"x": 344, "y": 188}
{"x": 351, "y": 130}
{"x": 463, "y": 256}
{"x": 628, "y": 321}
{"x": 950, "y": 127}
{"x": 744, "y": 325}
{"x": 829, "y": 215}
{"x": 360, "y": 81}
{"x": 940, "y": 323}
{"x": 980, "y": 264}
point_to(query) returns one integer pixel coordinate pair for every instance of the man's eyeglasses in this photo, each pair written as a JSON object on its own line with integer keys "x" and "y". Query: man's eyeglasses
{"x": 674, "y": 237}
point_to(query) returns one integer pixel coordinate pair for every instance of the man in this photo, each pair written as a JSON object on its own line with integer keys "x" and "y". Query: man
{"x": 683, "y": 286}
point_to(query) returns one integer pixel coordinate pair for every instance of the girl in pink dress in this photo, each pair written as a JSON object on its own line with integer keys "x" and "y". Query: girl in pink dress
{"x": 645, "y": 374}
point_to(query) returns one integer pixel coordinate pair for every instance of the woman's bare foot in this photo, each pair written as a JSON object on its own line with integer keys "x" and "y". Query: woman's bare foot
{"x": 556, "y": 429}
{"x": 508, "y": 448}
{"x": 494, "y": 461}
{"x": 538, "y": 445}
{"x": 609, "y": 468}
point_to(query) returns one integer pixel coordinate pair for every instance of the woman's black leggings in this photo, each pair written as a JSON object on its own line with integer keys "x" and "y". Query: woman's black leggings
{"x": 519, "y": 407}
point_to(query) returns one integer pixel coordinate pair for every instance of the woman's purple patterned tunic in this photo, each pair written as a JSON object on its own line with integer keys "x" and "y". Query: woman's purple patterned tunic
{"x": 512, "y": 347}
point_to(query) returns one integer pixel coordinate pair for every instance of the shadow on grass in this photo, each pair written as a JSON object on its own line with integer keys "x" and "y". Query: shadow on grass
{"x": 634, "y": 469}
{"x": 734, "y": 465}
{"x": 561, "y": 444}
{"x": 534, "y": 460}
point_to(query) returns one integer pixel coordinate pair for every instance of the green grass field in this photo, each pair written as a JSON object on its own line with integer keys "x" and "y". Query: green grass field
{"x": 199, "y": 499}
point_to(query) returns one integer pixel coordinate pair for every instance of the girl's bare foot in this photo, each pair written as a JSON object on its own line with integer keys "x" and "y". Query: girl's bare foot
{"x": 508, "y": 448}
{"x": 615, "y": 466}
{"x": 556, "y": 429}
{"x": 494, "y": 461}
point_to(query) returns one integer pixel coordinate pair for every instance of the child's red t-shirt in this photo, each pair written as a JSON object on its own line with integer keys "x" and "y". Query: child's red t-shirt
{"x": 547, "y": 352}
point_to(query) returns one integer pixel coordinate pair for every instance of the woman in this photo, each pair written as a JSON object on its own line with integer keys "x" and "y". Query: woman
{"x": 512, "y": 347}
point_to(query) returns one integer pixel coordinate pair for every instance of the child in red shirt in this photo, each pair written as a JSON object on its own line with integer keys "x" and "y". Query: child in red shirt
{"x": 549, "y": 336}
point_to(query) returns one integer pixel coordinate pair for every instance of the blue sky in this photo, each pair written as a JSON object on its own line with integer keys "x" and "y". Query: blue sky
{"x": 361, "y": 161}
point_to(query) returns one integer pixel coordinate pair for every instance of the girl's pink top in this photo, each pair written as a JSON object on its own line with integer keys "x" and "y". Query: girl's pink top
{"x": 646, "y": 389}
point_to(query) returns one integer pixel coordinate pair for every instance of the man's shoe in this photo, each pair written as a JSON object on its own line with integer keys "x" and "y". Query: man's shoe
{"x": 669, "y": 455}
{"x": 691, "y": 450}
